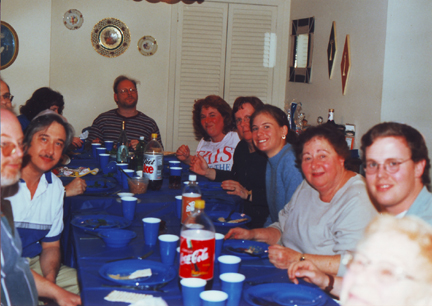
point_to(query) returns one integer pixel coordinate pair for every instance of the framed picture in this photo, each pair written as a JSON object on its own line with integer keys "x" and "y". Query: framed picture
{"x": 9, "y": 45}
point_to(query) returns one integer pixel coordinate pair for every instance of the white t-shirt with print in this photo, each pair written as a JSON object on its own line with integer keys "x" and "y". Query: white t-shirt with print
{"x": 219, "y": 155}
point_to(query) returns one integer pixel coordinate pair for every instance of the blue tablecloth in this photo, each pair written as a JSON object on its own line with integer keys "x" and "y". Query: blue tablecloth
{"x": 91, "y": 253}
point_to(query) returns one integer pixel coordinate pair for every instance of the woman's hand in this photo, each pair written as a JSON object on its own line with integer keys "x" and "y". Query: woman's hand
{"x": 198, "y": 165}
{"x": 234, "y": 187}
{"x": 282, "y": 257}
{"x": 239, "y": 233}
{"x": 77, "y": 142}
{"x": 183, "y": 154}
{"x": 309, "y": 272}
{"x": 76, "y": 187}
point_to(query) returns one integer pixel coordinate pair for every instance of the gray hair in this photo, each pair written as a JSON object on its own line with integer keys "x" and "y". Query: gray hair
{"x": 42, "y": 122}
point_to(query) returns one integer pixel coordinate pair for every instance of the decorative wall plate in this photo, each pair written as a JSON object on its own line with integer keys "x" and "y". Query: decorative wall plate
{"x": 9, "y": 45}
{"x": 110, "y": 37}
{"x": 147, "y": 45}
{"x": 73, "y": 19}
{"x": 346, "y": 64}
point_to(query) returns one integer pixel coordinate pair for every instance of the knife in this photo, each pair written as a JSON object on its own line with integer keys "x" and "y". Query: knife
{"x": 263, "y": 302}
{"x": 131, "y": 257}
{"x": 243, "y": 251}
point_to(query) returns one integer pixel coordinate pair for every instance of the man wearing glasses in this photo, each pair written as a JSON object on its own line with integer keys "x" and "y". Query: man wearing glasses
{"x": 397, "y": 170}
{"x": 5, "y": 96}
{"x": 108, "y": 125}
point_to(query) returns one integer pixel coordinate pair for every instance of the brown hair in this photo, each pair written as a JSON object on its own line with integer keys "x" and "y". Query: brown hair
{"x": 222, "y": 107}
{"x": 414, "y": 140}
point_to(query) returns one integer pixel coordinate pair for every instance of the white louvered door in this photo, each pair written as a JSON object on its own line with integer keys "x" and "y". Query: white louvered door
{"x": 219, "y": 51}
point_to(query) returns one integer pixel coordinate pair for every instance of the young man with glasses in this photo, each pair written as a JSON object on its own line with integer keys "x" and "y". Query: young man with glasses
{"x": 108, "y": 125}
{"x": 5, "y": 97}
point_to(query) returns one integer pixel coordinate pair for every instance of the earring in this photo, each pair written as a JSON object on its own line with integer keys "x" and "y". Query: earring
{"x": 284, "y": 136}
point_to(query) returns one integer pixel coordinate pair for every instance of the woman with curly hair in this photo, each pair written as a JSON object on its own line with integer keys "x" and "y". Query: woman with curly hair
{"x": 42, "y": 99}
{"x": 213, "y": 126}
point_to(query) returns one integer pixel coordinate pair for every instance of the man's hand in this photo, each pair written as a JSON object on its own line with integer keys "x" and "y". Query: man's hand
{"x": 133, "y": 143}
{"x": 77, "y": 142}
{"x": 239, "y": 233}
{"x": 183, "y": 154}
{"x": 76, "y": 187}
{"x": 66, "y": 298}
{"x": 234, "y": 187}
{"x": 50, "y": 290}
{"x": 282, "y": 257}
{"x": 96, "y": 140}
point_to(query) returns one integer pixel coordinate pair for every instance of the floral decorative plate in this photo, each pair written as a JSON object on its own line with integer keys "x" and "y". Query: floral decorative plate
{"x": 110, "y": 37}
{"x": 147, "y": 45}
{"x": 73, "y": 19}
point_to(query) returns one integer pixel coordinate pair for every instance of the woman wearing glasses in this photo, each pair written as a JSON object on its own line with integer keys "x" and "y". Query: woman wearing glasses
{"x": 247, "y": 176}
{"x": 327, "y": 213}
{"x": 392, "y": 265}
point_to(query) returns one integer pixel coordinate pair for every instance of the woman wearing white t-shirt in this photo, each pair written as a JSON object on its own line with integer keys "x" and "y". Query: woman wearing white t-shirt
{"x": 213, "y": 126}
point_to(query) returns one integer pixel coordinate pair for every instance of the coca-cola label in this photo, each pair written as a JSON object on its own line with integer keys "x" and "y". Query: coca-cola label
{"x": 188, "y": 204}
{"x": 197, "y": 256}
{"x": 153, "y": 166}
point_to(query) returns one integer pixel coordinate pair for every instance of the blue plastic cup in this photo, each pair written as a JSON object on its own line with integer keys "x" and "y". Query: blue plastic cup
{"x": 174, "y": 163}
{"x": 94, "y": 146}
{"x": 229, "y": 264}
{"x": 104, "y": 159}
{"x": 125, "y": 182}
{"x": 129, "y": 206}
{"x": 109, "y": 145}
{"x": 179, "y": 205}
{"x": 167, "y": 245}
{"x": 232, "y": 284}
{"x": 119, "y": 173}
{"x": 219, "y": 242}
{"x": 191, "y": 289}
{"x": 151, "y": 229}
{"x": 213, "y": 298}
{"x": 111, "y": 167}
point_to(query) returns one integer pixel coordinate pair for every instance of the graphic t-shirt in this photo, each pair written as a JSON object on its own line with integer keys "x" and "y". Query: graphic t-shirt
{"x": 219, "y": 155}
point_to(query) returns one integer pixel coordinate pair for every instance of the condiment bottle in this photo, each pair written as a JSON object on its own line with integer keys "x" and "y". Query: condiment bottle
{"x": 191, "y": 193}
{"x": 153, "y": 163}
{"x": 197, "y": 245}
{"x": 331, "y": 117}
{"x": 139, "y": 154}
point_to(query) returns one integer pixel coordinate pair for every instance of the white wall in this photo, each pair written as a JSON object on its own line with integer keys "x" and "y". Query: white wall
{"x": 365, "y": 22}
{"x": 70, "y": 65}
{"x": 407, "y": 87}
{"x": 31, "y": 68}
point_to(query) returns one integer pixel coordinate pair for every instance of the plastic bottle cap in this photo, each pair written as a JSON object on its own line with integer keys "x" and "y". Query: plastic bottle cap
{"x": 154, "y": 135}
{"x": 141, "y": 137}
{"x": 199, "y": 204}
{"x": 192, "y": 177}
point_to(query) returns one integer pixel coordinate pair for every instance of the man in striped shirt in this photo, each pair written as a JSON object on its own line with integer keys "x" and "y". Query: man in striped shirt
{"x": 108, "y": 125}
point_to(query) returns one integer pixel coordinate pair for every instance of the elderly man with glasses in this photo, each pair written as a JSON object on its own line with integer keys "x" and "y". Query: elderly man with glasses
{"x": 108, "y": 125}
{"x": 5, "y": 96}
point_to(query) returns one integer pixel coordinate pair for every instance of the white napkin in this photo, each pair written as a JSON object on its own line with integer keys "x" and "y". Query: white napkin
{"x": 137, "y": 299}
{"x": 84, "y": 135}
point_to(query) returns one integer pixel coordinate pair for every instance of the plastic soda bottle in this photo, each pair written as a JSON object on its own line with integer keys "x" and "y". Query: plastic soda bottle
{"x": 153, "y": 163}
{"x": 191, "y": 193}
{"x": 197, "y": 245}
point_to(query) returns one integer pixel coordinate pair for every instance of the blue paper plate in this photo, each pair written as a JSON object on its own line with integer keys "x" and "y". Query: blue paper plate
{"x": 214, "y": 215}
{"x": 235, "y": 247}
{"x": 97, "y": 185}
{"x": 88, "y": 222}
{"x": 286, "y": 294}
{"x": 160, "y": 273}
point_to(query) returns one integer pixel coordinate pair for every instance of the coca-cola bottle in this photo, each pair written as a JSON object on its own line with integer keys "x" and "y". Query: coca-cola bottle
{"x": 153, "y": 163}
{"x": 191, "y": 193}
{"x": 197, "y": 246}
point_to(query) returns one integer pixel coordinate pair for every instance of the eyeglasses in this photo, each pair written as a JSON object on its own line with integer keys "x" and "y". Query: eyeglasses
{"x": 9, "y": 148}
{"x": 385, "y": 272}
{"x": 240, "y": 120}
{"x": 390, "y": 165}
{"x": 125, "y": 90}
{"x": 7, "y": 96}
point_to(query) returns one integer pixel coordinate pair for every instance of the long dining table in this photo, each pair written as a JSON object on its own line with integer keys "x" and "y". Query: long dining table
{"x": 88, "y": 254}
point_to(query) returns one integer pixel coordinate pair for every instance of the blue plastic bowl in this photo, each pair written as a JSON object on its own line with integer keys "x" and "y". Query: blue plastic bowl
{"x": 116, "y": 238}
